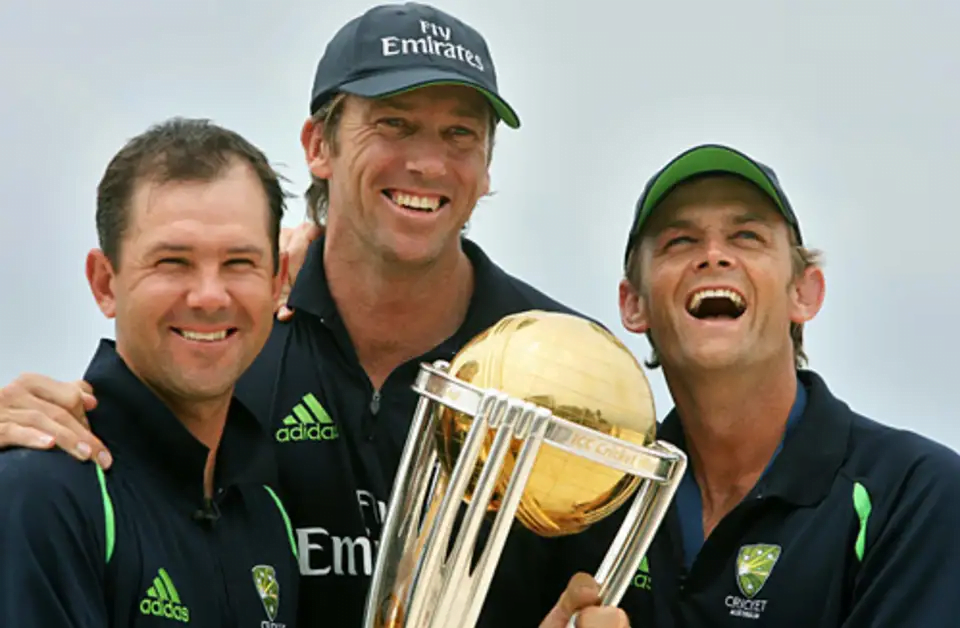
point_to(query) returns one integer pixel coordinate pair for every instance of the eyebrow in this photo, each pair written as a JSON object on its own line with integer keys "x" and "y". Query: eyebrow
{"x": 676, "y": 224}
{"x": 461, "y": 111}
{"x": 168, "y": 247}
{"x": 751, "y": 216}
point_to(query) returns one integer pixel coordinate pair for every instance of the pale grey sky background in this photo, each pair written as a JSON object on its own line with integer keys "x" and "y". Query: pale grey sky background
{"x": 854, "y": 103}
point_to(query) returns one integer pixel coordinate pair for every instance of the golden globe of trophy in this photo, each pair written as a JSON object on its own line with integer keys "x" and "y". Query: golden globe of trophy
{"x": 544, "y": 418}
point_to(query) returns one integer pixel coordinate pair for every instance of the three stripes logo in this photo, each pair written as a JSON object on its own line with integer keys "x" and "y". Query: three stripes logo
{"x": 162, "y": 599}
{"x": 641, "y": 579}
{"x": 307, "y": 421}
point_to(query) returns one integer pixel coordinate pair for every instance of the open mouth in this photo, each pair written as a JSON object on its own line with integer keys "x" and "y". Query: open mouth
{"x": 415, "y": 202}
{"x": 205, "y": 336}
{"x": 716, "y": 304}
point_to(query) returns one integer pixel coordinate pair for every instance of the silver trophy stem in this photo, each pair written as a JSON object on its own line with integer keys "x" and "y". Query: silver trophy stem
{"x": 633, "y": 539}
{"x": 505, "y": 517}
{"x": 643, "y": 520}
{"x": 431, "y": 571}
{"x": 458, "y": 587}
{"x": 400, "y": 528}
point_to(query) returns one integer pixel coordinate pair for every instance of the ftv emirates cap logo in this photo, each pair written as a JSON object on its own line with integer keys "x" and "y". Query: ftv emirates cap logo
{"x": 754, "y": 565}
{"x": 435, "y": 40}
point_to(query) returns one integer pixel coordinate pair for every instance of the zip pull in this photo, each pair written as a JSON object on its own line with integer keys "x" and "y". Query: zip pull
{"x": 367, "y": 422}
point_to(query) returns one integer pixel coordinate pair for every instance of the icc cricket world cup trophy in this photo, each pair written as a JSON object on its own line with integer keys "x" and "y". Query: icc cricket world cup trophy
{"x": 544, "y": 418}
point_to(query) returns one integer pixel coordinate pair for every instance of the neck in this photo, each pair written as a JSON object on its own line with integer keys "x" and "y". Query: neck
{"x": 205, "y": 420}
{"x": 395, "y": 312}
{"x": 718, "y": 409}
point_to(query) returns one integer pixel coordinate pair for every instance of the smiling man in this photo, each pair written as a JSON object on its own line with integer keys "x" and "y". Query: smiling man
{"x": 398, "y": 140}
{"x": 795, "y": 510}
{"x": 185, "y": 527}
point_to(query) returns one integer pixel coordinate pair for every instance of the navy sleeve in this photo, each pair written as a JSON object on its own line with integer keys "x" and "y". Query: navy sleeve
{"x": 911, "y": 556}
{"x": 52, "y": 547}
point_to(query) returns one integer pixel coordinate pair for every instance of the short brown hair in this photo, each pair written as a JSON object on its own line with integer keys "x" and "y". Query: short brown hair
{"x": 328, "y": 116}
{"x": 179, "y": 149}
{"x": 802, "y": 259}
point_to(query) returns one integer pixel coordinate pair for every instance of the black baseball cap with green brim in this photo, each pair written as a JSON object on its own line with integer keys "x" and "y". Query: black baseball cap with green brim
{"x": 396, "y": 48}
{"x": 708, "y": 159}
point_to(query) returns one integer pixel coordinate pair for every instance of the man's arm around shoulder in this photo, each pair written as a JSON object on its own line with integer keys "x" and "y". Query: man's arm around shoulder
{"x": 52, "y": 542}
{"x": 910, "y": 553}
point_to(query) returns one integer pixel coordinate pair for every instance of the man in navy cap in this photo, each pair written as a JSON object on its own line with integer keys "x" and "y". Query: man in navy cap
{"x": 402, "y": 117}
{"x": 795, "y": 510}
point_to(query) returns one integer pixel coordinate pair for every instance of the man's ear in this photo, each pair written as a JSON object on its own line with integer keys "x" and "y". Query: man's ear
{"x": 633, "y": 309}
{"x": 316, "y": 149}
{"x": 807, "y": 294}
{"x": 100, "y": 276}
{"x": 281, "y": 276}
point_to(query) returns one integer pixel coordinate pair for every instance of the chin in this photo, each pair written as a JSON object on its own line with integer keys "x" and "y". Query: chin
{"x": 417, "y": 250}
{"x": 203, "y": 386}
{"x": 712, "y": 356}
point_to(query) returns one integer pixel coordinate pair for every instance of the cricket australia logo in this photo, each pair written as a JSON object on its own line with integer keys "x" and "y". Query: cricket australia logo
{"x": 265, "y": 579}
{"x": 754, "y": 565}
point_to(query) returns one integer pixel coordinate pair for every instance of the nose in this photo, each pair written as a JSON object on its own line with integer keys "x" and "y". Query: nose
{"x": 427, "y": 158}
{"x": 209, "y": 291}
{"x": 715, "y": 255}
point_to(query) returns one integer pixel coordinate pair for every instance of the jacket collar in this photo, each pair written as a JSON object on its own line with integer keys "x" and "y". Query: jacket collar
{"x": 494, "y": 295}
{"x": 813, "y": 449}
{"x": 141, "y": 430}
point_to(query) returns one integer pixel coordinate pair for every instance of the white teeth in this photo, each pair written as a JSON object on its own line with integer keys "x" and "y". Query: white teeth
{"x": 430, "y": 203}
{"x": 204, "y": 337}
{"x": 715, "y": 293}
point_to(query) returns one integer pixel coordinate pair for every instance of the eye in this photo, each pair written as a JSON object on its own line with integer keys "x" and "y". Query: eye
{"x": 240, "y": 261}
{"x": 462, "y": 131}
{"x": 172, "y": 261}
{"x": 394, "y": 124}
{"x": 684, "y": 239}
{"x": 747, "y": 234}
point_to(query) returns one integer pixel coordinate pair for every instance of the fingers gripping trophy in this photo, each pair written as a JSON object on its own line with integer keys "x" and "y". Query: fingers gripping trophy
{"x": 545, "y": 418}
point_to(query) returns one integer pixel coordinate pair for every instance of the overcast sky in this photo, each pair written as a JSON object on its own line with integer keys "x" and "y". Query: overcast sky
{"x": 854, "y": 103}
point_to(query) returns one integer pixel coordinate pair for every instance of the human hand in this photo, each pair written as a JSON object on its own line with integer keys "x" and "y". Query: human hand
{"x": 37, "y": 412}
{"x": 581, "y": 600}
{"x": 294, "y": 242}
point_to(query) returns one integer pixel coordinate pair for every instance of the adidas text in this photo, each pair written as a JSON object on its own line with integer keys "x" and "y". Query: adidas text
{"x": 166, "y": 609}
{"x": 306, "y": 432}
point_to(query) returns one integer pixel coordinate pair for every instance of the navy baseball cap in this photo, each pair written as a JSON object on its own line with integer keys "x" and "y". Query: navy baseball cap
{"x": 708, "y": 159}
{"x": 394, "y": 48}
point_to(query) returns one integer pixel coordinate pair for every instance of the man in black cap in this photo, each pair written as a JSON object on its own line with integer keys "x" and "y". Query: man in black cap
{"x": 795, "y": 510}
{"x": 403, "y": 113}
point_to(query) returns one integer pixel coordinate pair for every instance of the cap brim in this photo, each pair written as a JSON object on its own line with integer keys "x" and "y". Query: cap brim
{"x": 704, "y": 160}
{"x": 400, "y": 81}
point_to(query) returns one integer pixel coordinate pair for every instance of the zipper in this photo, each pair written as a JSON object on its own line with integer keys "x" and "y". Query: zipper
{"x": 213, "y": 538}
{"x": 369, "y": 421}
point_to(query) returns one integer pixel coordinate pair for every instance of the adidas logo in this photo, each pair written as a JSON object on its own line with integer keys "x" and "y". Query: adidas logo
{"x": 307, "y": 421}
{"x": 163, "y": 600}
{"x": 642, "y": 578}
